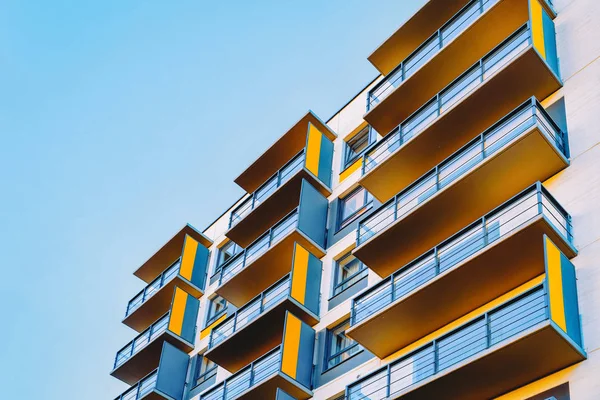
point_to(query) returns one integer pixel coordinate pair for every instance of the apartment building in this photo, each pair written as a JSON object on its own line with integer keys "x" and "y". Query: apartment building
{"x": 437, "y": 238}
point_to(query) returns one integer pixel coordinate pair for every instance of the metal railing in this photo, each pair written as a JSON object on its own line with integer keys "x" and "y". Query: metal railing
{"x": 267, "y": 188}
{"x": 246, "y": 378}
{"x": 153, "y": 287}
{"x": 428, "y": 49}
{"x": 259, "y": 246}
{"x": 458, "y": 89}
{"x": 142, "y": 388}
{"x": 501, "y": 222}
{"x": 488, "y": 143}
{"x": 252, "y": 310}
{"x": 141, "y": 340}
{"x": 469, "y": 340}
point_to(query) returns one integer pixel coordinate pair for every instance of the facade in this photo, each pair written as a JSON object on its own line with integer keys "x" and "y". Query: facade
{"x": 439, "y": 243}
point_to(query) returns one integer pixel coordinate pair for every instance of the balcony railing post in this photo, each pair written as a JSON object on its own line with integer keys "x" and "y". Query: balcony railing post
{"x": 225, "y": 389}
{"x": 485, "y": 231}
{"x": 488, "y": 330}
{"x": 437, "y": 178}
{"x": 436, "y": 360}
{"x": 395, "y": 207}
{"x": 538, "y": 188}
{"x": 262, "y": 302}
{"x": 389, "y": 380}
{"x": 437, "y": 261}
{"x": 393, "y": 287}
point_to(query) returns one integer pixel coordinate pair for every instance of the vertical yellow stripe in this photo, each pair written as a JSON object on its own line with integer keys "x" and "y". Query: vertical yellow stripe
{"x": 537, "y": 27}
{"x": 313, "y": 149}
{"x": 299, "y": 274}
{"x": 187, "y": 260}
{"x": 291, "y": 346}
{"x": 178, "y": 311}
{"x": 557, "y": 305}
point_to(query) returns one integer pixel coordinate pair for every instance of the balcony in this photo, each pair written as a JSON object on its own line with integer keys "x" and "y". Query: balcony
{"x": 309, "y": 134}
{"x": 271, "y": 256}
{"x": 142, "y": 355}
{"x": 261, "y": 321}
{"x": 155, "y": 299}
{"x": 488, "y": 258}
{"x": 523, "y": 147}
{"x": 467, "y": 37}
{"x": 197, "y": 246}
{"x": 484, "y": 93}
{"x": 287, "y": 367}
{"x": 275, "y": 199}
{"x": 425, "y": 22}
{"x": 164, "y": 383}
{"x": 513, "y": 344}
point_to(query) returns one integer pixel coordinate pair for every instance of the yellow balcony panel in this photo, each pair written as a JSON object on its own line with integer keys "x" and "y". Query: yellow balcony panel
{"x": 524, "y": 339}
{"x": 488, "y": 258}
{"x": 308, "y": 133}
{"x": 524, "y": 147}
{"x": 464, "y": 40}
{"x": 415, "y": 31}
{"x": 142, "y": 355}
{"x": 155, "y": 300}
{"x": 272, "y": 201}
{"x": 271, "y": 256}
{"x": 169, "y": 253}
{"x": 288, "y": 367}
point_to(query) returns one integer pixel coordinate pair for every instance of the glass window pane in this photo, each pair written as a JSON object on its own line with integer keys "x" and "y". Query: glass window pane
{"x": 412, "y": 369}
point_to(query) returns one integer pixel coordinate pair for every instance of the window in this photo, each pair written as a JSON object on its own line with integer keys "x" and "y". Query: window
{"x": 227, "y": 252}
{"x": 205, "y": 370}
{"x": 339, "y": 347}
{"x": 216, "y": 308}
{"x": 353, "y": 206}
{"x": 348, "y": 271}
{"x": 358, "y": 144}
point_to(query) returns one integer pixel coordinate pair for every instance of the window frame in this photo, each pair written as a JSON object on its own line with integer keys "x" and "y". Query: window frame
{"x": 221, "y": 251}
{"x": 212, "y": 318}
{"x": 350, "y": 156}
{"x": 368, "y": 204}
{"x": 336, "y": 274}
{"x": 328, "y": 356}
{"x": 207, "y": 374}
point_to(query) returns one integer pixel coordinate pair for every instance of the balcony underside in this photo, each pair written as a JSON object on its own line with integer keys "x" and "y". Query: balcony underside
{"x": 265, "y": 333}
{"x": 158, "y": 304}
{"x": 534, "y": 354}
{"x": 527, "y": 75}
{"x": 525, "y": 160}
{"x": 283, "y": 150}
{"x": 415, "y": 31}
{"x": 169, "y": 253}
{"x": 281, "y": 202}
{"x": 485, "y": 33}
{"x": 264, "y": 271}
{"x": 267, "y": 389}
{"x": 482, "y": 277}
{"x": 147, "y": 359}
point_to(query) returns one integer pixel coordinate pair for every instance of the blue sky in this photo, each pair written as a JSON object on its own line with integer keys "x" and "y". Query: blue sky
{"x": 122, "y": 120}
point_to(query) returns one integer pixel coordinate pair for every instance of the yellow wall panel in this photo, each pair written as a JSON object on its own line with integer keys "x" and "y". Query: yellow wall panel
{"x": 537, "y": 27}
{"x": 291, "y": 346}
{"x": 299, "y": 274}
{"x": 178, "y": 311}
{"x": 557, "y": 306}
{"x": 189, "y": 256}
{"x": 313, "y": 149}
